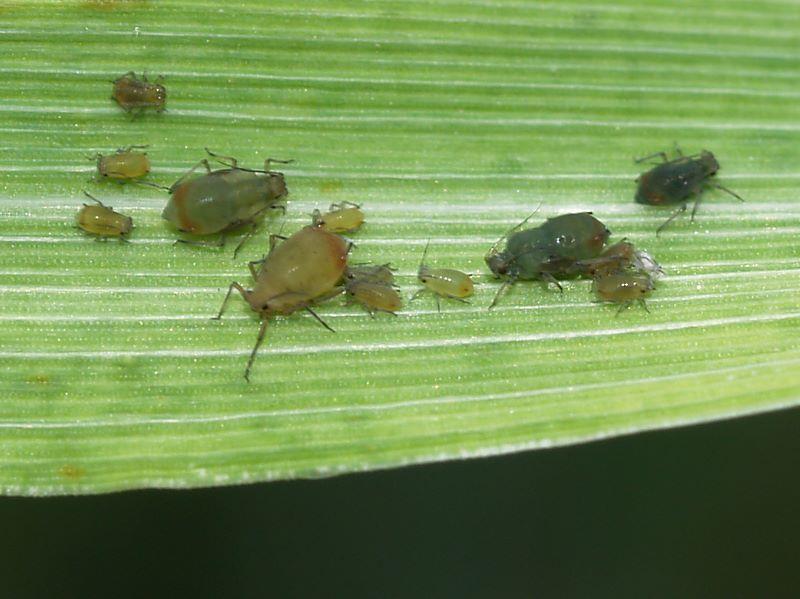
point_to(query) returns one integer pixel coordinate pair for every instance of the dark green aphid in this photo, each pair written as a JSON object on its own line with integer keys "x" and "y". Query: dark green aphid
{"x": 676, "y": 181}
{"x": 547, "y": 252}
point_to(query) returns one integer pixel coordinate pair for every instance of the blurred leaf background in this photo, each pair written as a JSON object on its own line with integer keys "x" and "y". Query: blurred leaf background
{"x": 448, "y": 121}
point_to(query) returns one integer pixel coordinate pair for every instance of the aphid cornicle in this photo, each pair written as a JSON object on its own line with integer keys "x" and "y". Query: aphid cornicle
{"x": 136, "y": 95}
{"x": 676, "y": 181}
{"x": 623, "y": 288}
{"x": 103, "y": 221}
{"x": 546, "y": 252}
{"x": 443, "y": 282}
{"x": 124, "y": 164}
{"x": 340, "y": 218}
{"x": 297, "y": 274}
{"x": 225, "y": 199}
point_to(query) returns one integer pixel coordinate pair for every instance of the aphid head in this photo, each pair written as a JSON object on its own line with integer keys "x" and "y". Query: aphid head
{"x": 709, "y": 162}
{"x": 127, "y": 226}
{"x": 498, "y": 263}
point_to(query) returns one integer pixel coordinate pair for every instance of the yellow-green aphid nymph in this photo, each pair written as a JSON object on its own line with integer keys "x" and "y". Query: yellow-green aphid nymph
{"x": 623, "y": 288}
{"x": 373, "y": 295}
{"x": 123, "y": 165}
{"x": 443, "y": 282}
{"x": 340, "y": 218}
{"x": 297, "y": 274}
{"x": 102, "y": 221}
{"x": 222, "y": 200}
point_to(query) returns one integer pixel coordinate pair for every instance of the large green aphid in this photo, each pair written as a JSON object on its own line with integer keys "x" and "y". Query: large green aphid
{"x": 547, "y": 252}
{"x": 226, "y": 199}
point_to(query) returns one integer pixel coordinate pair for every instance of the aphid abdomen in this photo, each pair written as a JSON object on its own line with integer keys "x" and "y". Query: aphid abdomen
{"x": 374, "y": 295}
{"x": 447, "y": 282}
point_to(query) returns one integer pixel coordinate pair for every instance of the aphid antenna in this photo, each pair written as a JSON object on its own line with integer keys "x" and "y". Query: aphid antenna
{"x": 91, "y": 197}
{"x": 493, "y": 250}
{"x": 421, "y": 268}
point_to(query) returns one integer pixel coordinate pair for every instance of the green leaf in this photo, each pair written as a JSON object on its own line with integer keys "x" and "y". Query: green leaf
{"x": 448, "y": 121}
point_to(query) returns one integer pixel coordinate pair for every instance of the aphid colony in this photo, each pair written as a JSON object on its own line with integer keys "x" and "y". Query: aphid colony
{"x": 311, "y": 266}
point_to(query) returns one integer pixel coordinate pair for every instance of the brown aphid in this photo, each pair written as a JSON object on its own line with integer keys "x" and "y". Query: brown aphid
{"x": 136, "y": 95}
{"x": 614, "y": 258}
{"x": 376, "y": 273}
{"x": 340, "y": 218}
{"x": 123, "y": 165}
{"x": 373, "y": 295}
{"x": 297, "y": 274}
{"x": 103, "y": 221}
{"x": 623, "y": 288}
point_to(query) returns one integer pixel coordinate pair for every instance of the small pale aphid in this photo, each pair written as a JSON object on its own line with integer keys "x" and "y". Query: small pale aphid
{"x": 623, "y": 288}
{"x": 222, "y": 200}
{"x": 377, "y": 273}
{"x": 373, "y": 295}
{"x": 135, "y": 95}
{"x": 297, "y": 274}
{"x": 677, "y": 181}
{"x": 443, "y": 282}
{"x": 102, "y": 221}
{"x": 340, "y": 218}
{"x": 123, "y": 165}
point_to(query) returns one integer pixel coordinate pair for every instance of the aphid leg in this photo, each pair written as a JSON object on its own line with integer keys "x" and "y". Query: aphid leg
{"x": 417, "y": 294}
{"x": 273, "y": 241}
{"x": 242, "y": 291}
{"x": 341, "y": 205}
{"x": 203, "y": 162}
{"x": 129, "y": 148}
{"x": 644, "y": 304}
{"x": 506, "y": 284}
{"x": 268, "y": 161}
{"x": 548, "y": 278}
{"x": 261, "y": 332}
{"x": 622, "y": 306}
{"x": 252, "y": 266}
{"x": 204, "y": 244}
{"x": 322, "y": 322}
{"x": 226, "y": 160}
{"x": 438, "y": 304}
{"x": 245, "y": 239}
{"x": 662, "y": 155}
{"x": 694, "y": 208}
{"x": 675, "y": 214}
{"x": 734, "y": 194}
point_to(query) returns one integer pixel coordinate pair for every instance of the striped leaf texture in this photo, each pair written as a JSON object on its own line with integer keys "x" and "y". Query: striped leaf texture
{"x": 447, "y": 121}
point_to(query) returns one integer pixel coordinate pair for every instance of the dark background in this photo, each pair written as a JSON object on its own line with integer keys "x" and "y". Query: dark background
{"x": 706, "y": 511}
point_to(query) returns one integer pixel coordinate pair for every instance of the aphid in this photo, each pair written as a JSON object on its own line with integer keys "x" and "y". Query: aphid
{"x": 676, "y": 181}
{"x": 134, "y": 94}
{"x": 340, "y": 218}
{"x": 443, "y": 282}
{"x": 302, "y": 271}
{"x": 225, "y": 199}
{"x": 547, "y": 251}
{"x": 376, "y": 273}
{"x": 123, "y": 165}
{"x": 102, "y": 221}
{"x": 375, "y": 296}
{"x": 619, "y": 257}
{"x": 613, "y": 258}
{"x": 623, "y": 288}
